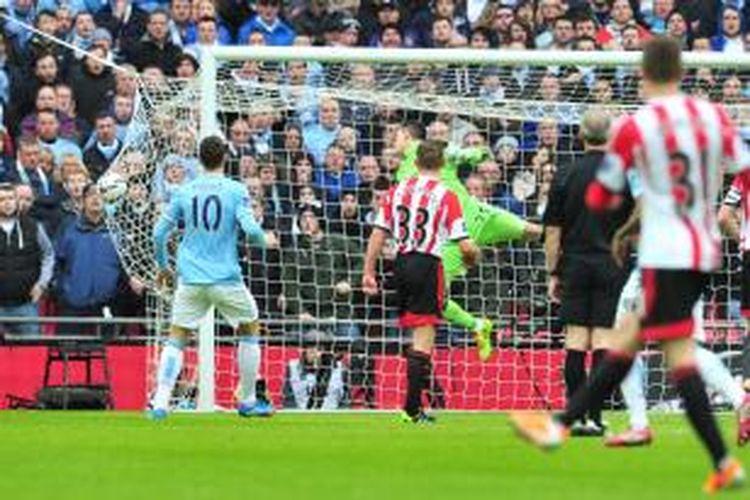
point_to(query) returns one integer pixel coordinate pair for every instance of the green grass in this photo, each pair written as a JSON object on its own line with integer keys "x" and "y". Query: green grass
{"x": 292, "y": 456}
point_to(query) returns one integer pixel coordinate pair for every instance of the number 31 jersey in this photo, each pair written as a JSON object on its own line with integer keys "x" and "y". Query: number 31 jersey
{"x": 211, "y": 209}
{"x": 421, "y": 214}
{"x": 679, "y": 144}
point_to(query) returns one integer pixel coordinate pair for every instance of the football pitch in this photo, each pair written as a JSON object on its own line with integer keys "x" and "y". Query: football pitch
{"x": 61, "y": 455}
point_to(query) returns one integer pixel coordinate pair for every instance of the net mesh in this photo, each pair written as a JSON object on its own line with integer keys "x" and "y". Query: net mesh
{"x": 325, "y": 345}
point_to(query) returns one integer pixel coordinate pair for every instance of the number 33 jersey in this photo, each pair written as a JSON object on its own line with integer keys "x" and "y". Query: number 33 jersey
{"x": 681, "y": 146}
{"x": 211, "y": 210}
{"x": 421, "y": 214}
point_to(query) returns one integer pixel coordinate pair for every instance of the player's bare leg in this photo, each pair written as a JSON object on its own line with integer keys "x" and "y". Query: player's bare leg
{"x": 170, "y": 366}
{"x": 743, "y": 424}
{"x": 248, "y": 366}
{"x": 680, "y": 357}
{"x": 453, "y": 268}
{"x": 418, "y": 370}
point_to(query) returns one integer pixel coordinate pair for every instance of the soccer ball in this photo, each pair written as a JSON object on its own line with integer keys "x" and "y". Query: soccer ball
{"x": 113, "y": 187}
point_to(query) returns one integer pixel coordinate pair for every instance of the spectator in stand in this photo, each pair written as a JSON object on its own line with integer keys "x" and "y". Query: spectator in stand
{"x": 73, "y": 184}
{"x": 291, "y": 148}
{"x": 501, "y": 22}
{"x": 368, "y": 170}
{"x": 155, "y": 48}
{"x": 678, "y": 27}
{"x": 100, "y": 155}
{"x": 390, "y": 37}
{"x": 27, "y": 262}
{"x": 320, "y": 134}
{"x": 302, "y": 175}
{"x": 611, "y": 35}
{"x": 187, "y": 63}
{"x": 521, "y": 34}
{"x": 327, "y": 292}
{"x": 89, "y": 275}
{"x": 122, "y": 111}
{"x": 656, "y": 17}
{"x": 563, "y": 34}
{"x": 310, "y": 21}
{"x": 207, "y": 29}
{"x": 26, "y": 169}
{"x": 585, "y": 27}
{"x": 731, "y": 90}
{"x": 276, "y": 195}
{"x": 421, "y": 30}
{"x": 24, "y": 90}
{"x": 124, "y": 20}
{"x": 348, "y": 220}
{"x": 444, "y": 35}
{"x": 23, "y": 12}
{"x": 25, "y": 197}
{"x": 180, "y": 22}
{"x": 46, "y": 100}
{"x": 72, "y": 126}
{"x": 83, "y": 31}
{"x": 48, "y": 132}
{"x": 548, "y": 12}
{"x": 93, "y": 85}
{"x": 336, "y": 176}
{"x": 730, "y": 36}
{"x": 388, "y": 17}
{"x": 269, "y": 22}
{"x": 205, "y": 9}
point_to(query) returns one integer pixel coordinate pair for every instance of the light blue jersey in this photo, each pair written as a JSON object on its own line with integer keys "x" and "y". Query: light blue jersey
{"x": 211, "y": 209}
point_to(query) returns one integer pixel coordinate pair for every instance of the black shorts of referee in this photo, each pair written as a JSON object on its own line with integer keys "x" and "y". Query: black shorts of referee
{"x": 591, "y": 286}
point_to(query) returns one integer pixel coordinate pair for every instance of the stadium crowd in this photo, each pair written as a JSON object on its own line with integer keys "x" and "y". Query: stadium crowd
{"x": 316, "y": 172}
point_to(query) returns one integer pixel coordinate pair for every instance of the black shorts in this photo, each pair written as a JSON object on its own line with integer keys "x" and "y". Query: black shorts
{"x": 669, "y": 296}
{"x": 420, "y": 289}
{"x": 745, "y": 293}
{"x": 591, "y": 286}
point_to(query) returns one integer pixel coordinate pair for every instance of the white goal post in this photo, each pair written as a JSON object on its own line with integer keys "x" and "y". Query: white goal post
{"x": 214, "y": 58}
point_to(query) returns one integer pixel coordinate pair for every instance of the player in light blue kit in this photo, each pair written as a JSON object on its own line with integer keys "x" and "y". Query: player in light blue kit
{"x": 211, "y": 209}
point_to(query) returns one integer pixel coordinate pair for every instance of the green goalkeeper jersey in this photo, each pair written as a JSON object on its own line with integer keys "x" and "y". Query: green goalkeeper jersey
{"x": 454, "y": 157}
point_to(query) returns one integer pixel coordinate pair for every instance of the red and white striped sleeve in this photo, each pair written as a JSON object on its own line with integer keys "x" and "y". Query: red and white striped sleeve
{"x": 733, "y": 197}
{"x": 454, "y": 217}
{"x": 626, "y": 139}
{"x": 735, "y": 153}
{"x": 384, "y": 215}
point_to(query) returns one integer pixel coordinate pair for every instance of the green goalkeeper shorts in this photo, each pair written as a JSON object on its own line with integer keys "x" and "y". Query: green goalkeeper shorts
{"x": 488, "y": 225}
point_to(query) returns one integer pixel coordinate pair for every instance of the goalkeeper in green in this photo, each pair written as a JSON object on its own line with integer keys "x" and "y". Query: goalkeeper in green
{"x": 487, "y": 225}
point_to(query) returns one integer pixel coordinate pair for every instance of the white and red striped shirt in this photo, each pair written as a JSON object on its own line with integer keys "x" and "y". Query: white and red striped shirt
{"x": 738, "y": 196}
{"x": 421, "y": 214}
{"x": 679, "y": 144}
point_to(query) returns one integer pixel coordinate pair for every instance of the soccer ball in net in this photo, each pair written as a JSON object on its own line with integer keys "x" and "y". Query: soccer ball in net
{"x": 113, "y": 187}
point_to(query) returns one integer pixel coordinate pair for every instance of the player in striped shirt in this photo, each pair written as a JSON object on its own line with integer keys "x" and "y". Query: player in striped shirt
{"x": 487, "y": 225}
{"x": 679, "y": 145}
{"x": 715, "y": 373}
{"x": 422, "y": 215}
{"x": 734, "y": 219}
{"x": 212, "y": 209}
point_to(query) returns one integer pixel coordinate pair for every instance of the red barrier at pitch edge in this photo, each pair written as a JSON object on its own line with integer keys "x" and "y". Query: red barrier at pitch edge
{"x": 501, "y": 384}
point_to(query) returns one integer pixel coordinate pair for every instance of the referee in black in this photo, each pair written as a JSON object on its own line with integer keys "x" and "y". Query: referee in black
{"x": 583, "y": 277}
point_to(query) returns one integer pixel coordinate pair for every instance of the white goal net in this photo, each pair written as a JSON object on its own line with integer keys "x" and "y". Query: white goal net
{"x": 311, "y": 134}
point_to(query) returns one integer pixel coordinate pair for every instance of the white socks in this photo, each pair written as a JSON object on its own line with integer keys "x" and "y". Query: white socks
{"x": 170, "y": 365}
{"x": 717, "y": 376}
{"x": 248, "y": 364}
{"x": 712, "y": 370}
{"x": 632, "y": 392}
